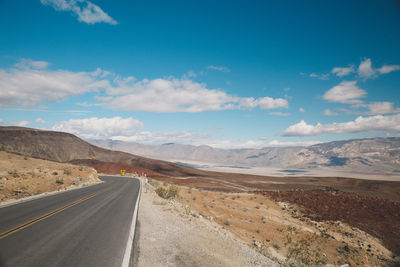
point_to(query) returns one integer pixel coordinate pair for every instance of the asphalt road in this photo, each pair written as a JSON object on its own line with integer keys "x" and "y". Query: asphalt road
{"x": 83, "y": 227}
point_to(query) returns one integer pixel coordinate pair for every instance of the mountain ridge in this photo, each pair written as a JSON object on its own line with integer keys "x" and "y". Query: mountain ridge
{"x": 369, "y": 154}
{"x": 66, "y": 147}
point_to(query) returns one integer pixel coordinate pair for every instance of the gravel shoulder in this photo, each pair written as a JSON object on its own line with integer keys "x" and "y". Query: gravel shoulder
{"x": 172, "y": 235}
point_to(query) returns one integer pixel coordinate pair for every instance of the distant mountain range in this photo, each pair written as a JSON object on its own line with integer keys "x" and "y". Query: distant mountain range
{"x": 375, "y": 155}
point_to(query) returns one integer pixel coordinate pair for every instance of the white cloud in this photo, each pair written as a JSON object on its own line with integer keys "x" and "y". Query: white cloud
{"x": 346, "y": 92}
{"x": 343, "y": 71}
{"x": 299, "y": 143}
{"x": 301, "y": 110}
{"x": 376, "y": 108}
{"x": 85, "y": 10}
{"x": 277, "y": 113}
{"x": 1, "y": 121}
{"x": 365, "y": 69}
{"x": 219, "y": 68}
{"x": 100, "y": 128}
{"x": 376, "y": 123}
{"x": 320, "y": 76}
{"x": 26, "y": 63}
{"x": 373, "y": 108}
{"x": 329, "y": 112}
{"x": 19, "y": 123}
{"x": 28, "y": 86}
{"x": 179, "y": 95}
{"x": 271, "y": 103}
{"x": 40, "y": 120}
{"x": 388, "y": 68}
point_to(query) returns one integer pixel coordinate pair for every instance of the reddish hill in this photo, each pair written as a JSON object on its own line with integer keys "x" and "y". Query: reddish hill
{"x": 115, "y": 168}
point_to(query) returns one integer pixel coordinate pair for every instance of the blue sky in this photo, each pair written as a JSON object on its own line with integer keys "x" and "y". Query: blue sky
{"x": 221, "y": 73}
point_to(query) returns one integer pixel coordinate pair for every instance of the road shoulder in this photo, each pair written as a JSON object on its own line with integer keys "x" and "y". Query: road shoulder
{"x": 171, "y": 235}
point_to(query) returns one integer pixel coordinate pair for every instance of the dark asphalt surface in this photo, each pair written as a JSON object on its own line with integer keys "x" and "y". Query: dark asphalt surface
{"x": 91, "y": 233}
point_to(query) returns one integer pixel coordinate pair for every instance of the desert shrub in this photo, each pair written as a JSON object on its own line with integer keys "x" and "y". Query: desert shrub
{"x": 170, "y": 192}
{"x": 187, "y": 210}
{"x": 300, "y": 254}
{"x": 60, "y": 180}
{"x": 153, "y": 182}
{"x": 14, "y": 174}
{"x": 227, "y": 222}
{"x": 161, "y": 192}
{"x": 173, "y": 191}
{"x": 67, "y": 172}
{"x": 55, "y": 173}
{"x": 276, "y": 246}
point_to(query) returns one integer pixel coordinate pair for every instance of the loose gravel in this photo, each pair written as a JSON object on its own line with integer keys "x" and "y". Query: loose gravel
{"x": 172, "y": 235}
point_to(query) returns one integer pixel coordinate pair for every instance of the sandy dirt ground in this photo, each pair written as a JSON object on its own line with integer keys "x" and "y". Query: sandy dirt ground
{"x": 278, "y": 230}
{"x": 22, "y": 177}
{"x": 171, "y": 234}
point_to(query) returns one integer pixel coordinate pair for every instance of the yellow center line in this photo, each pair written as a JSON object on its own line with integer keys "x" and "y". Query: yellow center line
{"x": 38, "y": 219}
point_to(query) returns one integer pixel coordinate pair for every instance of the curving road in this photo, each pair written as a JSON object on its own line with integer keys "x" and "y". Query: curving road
{"x": 83, "y": 227}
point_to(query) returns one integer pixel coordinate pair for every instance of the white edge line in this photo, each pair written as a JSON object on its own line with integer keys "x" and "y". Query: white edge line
{"x": 131, "y": 237}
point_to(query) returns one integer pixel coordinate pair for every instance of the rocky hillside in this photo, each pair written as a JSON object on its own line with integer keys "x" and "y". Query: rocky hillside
{"x": 372, "y": 155}
{"x": 65, "y": 147}
{"x": 22, "y": 176}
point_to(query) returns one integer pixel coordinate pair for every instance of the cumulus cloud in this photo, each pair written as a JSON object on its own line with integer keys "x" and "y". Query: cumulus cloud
{"x": 180, "y": 95}
{"x": 28, "y": 86}
{"x": 388, "y": 68}
{"x": 99, "y": 128}
{"x": 376, "y": 108}
{"x": 85, "y": 10}
{"x": 299, "y": 143}
{"x": 271, "y": 103}
{"x": 346, "y": 92}
{"x": 320, "y": 76}
{"x": 343, "y": 71}
{"x": 329, "y": 112}
{"x": 365, "y": 69}
{"x": 26, "y": 63}
{"x": 301, "y": 110}
{"x": 373, "y": 108}
{"x": 377, "y": 123}
{"x": 219, "y": 68}
{"x": 277, "y": 113}
{"x": 40, "y": 120}
{"x": 19, "y": 123}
